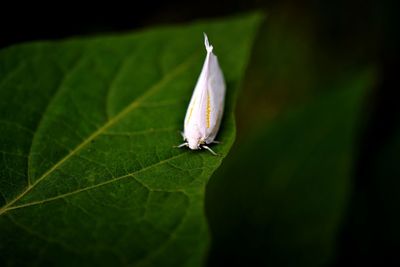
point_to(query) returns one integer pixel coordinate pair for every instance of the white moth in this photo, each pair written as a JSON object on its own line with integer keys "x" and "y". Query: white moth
{"x": 204, "y": 114}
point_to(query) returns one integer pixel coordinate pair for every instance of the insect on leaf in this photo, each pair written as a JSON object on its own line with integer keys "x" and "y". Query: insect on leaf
{"x": 88, "y": 175}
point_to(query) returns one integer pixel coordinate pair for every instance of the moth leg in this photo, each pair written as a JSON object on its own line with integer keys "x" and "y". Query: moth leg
{"x": 216, "y": 142}
{"x": 183, "y": 135}
{"x": 182, "y": 145}
{"x": 209, "y": 149}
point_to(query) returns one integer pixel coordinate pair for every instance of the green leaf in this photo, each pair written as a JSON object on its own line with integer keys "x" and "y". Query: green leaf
{"x": 89, "y": 175}
{"x": 284, "y": 188}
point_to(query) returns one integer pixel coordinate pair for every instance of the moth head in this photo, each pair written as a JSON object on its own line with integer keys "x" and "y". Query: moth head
{"x": 194, "y": 143}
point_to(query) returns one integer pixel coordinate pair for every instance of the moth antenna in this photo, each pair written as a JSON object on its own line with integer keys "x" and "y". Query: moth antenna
{"x": 209, "y": 149}
{"x": 182, "y": 145}
{"x": 209, "y": 47}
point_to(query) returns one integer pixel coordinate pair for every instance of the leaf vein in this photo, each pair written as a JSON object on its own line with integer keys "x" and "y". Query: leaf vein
{"x": 132, "y": 106}
{"x": 143, "y": 132}
{"x": 102, "y": 184}
{"x": 54, "y": 96}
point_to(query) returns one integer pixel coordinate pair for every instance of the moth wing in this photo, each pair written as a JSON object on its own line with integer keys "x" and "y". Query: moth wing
{"x": 206, "y": 106}
{"x": 215, "y": 98}
{"x": 195, "y": 118}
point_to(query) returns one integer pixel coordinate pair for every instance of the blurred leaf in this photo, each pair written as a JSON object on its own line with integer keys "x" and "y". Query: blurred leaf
{"x": 279, "y": 197}
{"x": 290, "y": 65}
{"x": 283, "y": 69}
{"x": 88, "y": 175}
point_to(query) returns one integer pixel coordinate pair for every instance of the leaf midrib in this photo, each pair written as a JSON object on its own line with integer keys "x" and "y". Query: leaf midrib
{"x": 132, "y": 174}
{"x": 132, "y": 106}
{"x": 54, "y": 96}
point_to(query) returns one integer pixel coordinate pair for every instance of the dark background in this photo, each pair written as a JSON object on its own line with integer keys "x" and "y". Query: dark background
{"x": 319, "y": 42}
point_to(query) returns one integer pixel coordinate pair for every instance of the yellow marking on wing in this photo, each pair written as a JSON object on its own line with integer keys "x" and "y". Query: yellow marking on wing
{"x": 191, "y": 111}
{"x": 208, "y": 110}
